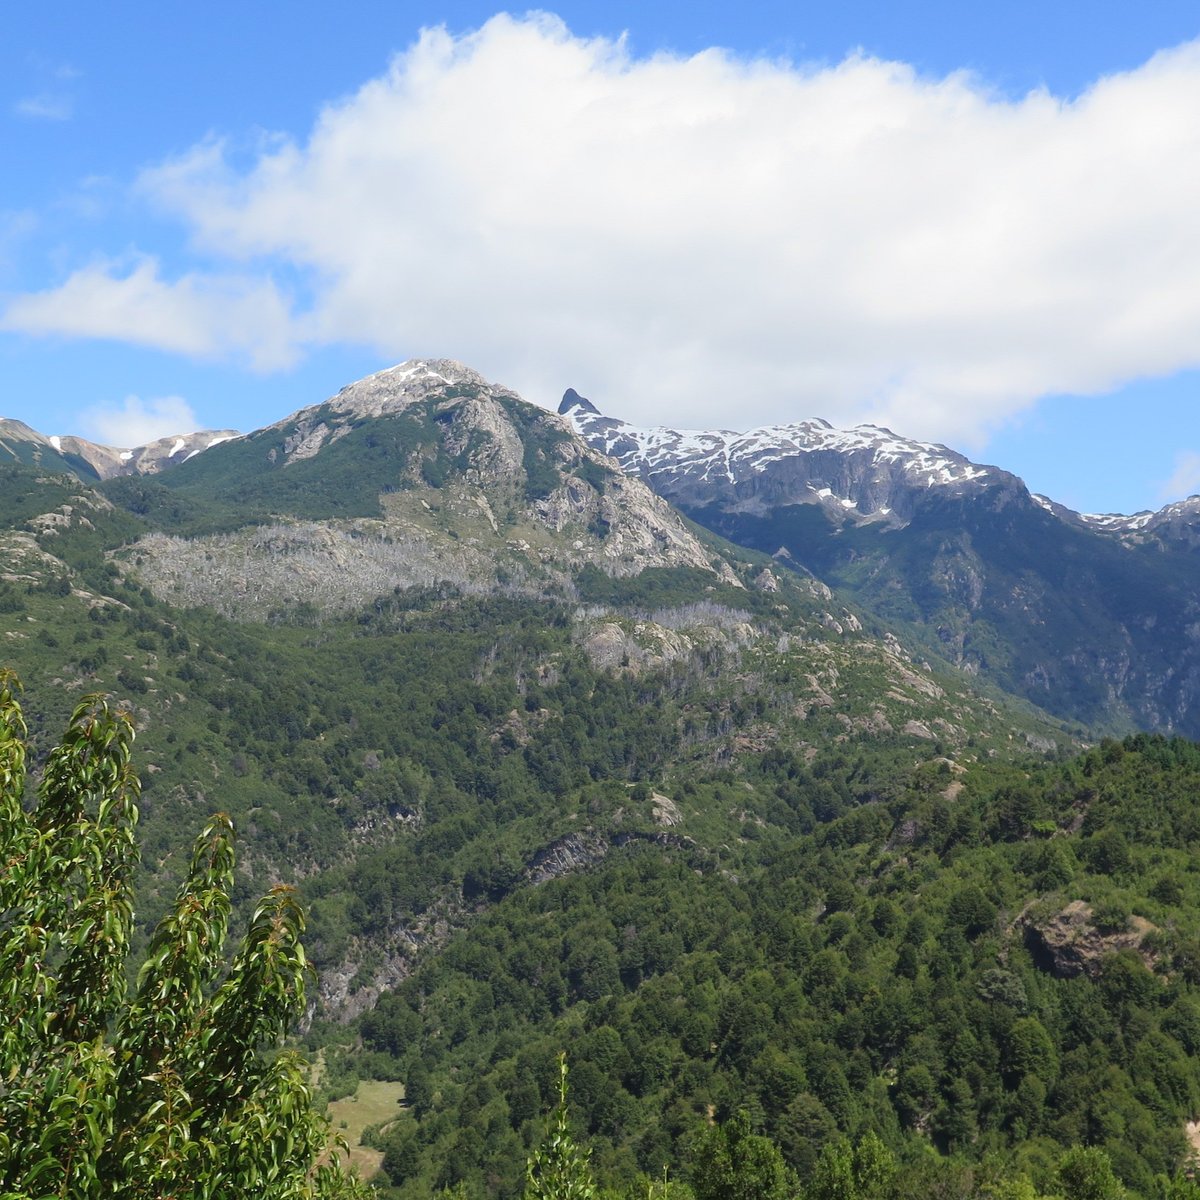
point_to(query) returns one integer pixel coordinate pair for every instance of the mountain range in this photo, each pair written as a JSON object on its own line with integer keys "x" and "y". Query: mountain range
{"x": 228, "y": 596}
{"x": 92, "y": 461}
{"x": 1093, "y": 618}
{"x": 767, "y": 772}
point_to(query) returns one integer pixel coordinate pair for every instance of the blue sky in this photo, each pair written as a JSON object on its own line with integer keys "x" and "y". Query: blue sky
{"x": 971, "y": 222}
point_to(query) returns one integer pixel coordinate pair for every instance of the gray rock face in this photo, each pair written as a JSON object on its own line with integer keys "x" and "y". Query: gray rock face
{"x": 1068, "y": 943}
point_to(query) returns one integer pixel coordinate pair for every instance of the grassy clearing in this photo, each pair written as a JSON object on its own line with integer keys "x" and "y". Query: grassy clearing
{"x": 374, "y": 1103}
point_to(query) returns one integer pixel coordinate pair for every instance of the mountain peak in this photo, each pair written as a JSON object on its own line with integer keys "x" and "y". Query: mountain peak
{"x": 572, "y": 401}
{"x": 409, "y": 382}
{"x": 421, "y": 474}
{"x": 91, "y": 460}
{"x": 867, "y": 473}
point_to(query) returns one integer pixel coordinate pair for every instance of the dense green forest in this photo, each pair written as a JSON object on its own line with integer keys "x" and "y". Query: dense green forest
{"x": 878, "y": 972}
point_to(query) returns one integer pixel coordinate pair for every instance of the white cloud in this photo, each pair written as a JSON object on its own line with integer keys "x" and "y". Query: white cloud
{"x": 204, "y": 316}
{"x": 16, "y": 226}
{"x": 54, "y": 102}
{"x": 705, "y": 240}
{"x": 1185, "y": 479}
{"x": 46, "y": 106}
{"x": 136, "y": 422}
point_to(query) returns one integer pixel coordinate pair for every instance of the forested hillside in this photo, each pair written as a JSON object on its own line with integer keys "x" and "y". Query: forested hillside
{"x": 998, "y": 961}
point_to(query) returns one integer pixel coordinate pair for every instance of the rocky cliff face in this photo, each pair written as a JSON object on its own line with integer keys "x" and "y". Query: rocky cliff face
{"x": 1070, "y": 943}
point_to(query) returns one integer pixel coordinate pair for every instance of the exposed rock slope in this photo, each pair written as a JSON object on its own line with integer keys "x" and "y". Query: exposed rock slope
{"x": 420, "y": 474}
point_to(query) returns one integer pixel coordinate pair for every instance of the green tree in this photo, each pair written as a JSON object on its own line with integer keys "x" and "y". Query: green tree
{"x": 1085, "y": 1173}
{"x": 731, "y": 1163}
{"x": 559, "y": 1169}
{"x": 179, "y": 1090}
{"x": 842, "y": 1172}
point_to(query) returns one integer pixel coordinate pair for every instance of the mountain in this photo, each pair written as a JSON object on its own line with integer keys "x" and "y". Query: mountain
{"x": 427, "y": 479}
{"x": 91, "y": 461}
{"x": 865, "y": 474}
{"x": 425, "y": 600}
{"x": 1095, "y": 618}
{"x": 1177, "y": 526}
{"x": 416, "y": 476}
{"x": 110, "y": 462}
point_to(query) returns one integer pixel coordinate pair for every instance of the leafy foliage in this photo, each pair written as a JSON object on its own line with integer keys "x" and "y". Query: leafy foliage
{"x": 728, "y": 1162}
{"x": 868, "y": 973}
{"x": 177, "y": 1091}
{"x": 558, "y": 1169}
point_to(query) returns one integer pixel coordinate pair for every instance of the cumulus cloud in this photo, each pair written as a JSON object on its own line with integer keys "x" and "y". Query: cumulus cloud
{"x": 1185, "y": 479}
{"x": 706, "y": 239}
{"x": 137, "y": 422}
{"x": 205, "y": 316}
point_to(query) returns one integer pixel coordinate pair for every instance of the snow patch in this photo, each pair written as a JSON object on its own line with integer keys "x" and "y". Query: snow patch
{"x": 721, "y": 453}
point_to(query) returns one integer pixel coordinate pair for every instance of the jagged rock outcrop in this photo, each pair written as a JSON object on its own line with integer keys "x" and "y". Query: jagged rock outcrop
{"x": 617, "y": 643}
{"x": 574, "y": 852}
{"x": 1069, "y": 942}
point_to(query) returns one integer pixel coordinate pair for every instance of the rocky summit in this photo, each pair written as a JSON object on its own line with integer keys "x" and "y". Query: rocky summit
{"x": 418, "y": 475}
